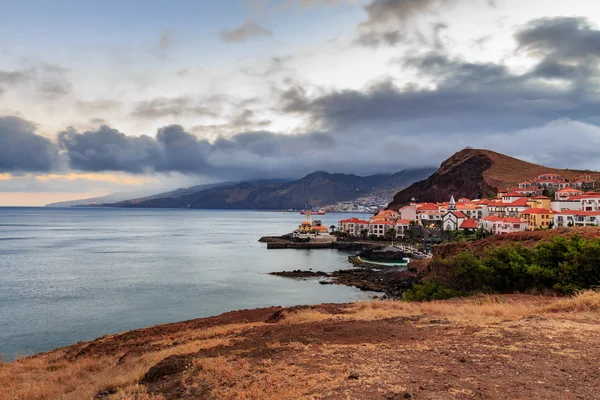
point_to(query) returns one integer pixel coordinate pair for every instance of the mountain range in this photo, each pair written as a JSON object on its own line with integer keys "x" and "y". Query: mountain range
{"x": 314, "y": 190}
{"x": 476, "y": 173}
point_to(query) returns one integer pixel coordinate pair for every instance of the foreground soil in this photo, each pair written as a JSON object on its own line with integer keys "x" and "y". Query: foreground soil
{"x": 493, "y": 347}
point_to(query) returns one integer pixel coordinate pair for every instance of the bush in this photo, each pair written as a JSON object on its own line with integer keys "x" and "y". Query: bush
{"x": 430, "y": 290}
{"x": 565, "y": 265}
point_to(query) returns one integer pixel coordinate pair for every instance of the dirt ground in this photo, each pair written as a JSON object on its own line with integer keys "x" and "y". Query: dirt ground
{"x": 498, "y": 347}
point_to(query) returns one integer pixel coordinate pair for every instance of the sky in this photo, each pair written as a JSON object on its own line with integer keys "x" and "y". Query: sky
{"x": 111, "y": 96}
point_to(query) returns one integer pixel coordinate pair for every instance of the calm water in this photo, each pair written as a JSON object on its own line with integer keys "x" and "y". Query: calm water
{"x": 76, "y": 274}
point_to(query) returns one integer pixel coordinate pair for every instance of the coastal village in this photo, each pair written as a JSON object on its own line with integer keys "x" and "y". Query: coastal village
{"x": 546, "y": 202}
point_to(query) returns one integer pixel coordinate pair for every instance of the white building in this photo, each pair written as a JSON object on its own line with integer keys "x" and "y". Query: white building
{"x": 564, "y": 194}
{"x": 453, "y": 219}
{"x": 402, "y": 225}
{"x": 353, "y": 226}
{"x": 498, "y": 225}
{"x": 408, "y": 213}
{"x": 563, "y": 205}
{"x": 576, "y": 218}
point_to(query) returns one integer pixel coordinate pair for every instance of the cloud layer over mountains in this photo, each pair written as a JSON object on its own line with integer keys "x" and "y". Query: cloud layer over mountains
{"x": 546, "y": 110}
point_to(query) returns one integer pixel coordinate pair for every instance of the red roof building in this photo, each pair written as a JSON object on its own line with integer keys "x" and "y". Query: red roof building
{"x": 470, "y": 223}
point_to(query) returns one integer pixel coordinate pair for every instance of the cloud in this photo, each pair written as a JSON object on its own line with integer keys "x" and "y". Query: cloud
{"x": 109, "y": 150}
{"x": 169, "y": 107}
{"x": 12, "y": 77}
{"x": 387, "y": 21}
{"x": 248, "y": 154}
{"x": 247, "y": 30}
{"x": 49, "y": 81}
{"x": 566, "y": 38}
{"x": 22, "y": 150}
{"x": 95, "y": 106}
{"x": 165, "y": 41}
{"x": 567, "y": 48}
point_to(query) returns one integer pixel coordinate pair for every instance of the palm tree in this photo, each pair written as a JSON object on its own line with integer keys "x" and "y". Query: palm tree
{"x": 364, "y": 233}
{"x": 332, "y": 228}
{"x": 390, "y": 234}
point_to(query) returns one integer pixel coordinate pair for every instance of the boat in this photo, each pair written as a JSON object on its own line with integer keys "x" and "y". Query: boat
{"x": 318, "y": 212}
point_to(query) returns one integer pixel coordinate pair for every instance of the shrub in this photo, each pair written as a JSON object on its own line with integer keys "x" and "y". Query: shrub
{"x": 430, "y": 290}
{"x": 565, "y": 265}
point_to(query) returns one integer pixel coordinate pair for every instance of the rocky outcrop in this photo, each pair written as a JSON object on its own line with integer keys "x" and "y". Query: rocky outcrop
{"x": 462, "y": 175}
{"x": 476, "y": 173}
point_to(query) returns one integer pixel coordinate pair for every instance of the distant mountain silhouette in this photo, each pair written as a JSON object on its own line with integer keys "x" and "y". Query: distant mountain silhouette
{"x": 316, "y": 189}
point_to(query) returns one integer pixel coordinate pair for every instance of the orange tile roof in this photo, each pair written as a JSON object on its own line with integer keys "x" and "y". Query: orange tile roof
{"x": 514, "y": 194}
{"x": 568, "y": 190}
{"x": 492, "y": 218}
{"x": 578, "y": 212}
{"x": 459, "y": 214}
{"x": 403, "y": 222}
{"x": 522, "y": 202}
{"x": 536, "y": 211}
{"x": 512, "y": 220}
{"x": 470, "y": 223}
{"x": 427, "y": 206}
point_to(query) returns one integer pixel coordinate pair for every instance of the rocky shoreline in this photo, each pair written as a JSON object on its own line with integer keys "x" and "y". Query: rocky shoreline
{"x": 392, "y": 281}
{"x": 287, "y": 242}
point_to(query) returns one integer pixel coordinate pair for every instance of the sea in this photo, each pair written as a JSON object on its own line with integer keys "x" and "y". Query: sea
{"x": 74, "y": 274}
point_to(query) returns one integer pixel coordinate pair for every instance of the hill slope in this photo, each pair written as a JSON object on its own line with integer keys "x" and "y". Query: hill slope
{"x": 500, "y": 347}
{"x": 316, "y": 189}
{"x": 476, "y": 173}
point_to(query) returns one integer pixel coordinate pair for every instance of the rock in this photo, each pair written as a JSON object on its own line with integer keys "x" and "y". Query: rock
{"x": 105, "y": 393}
{"x": 462, "y": 360}
{"x": 169, "y": 366}
{"x": 353, "y": 376}
{"x": 275, "y": 317}
{"x": 397, "y": 396}
{"x": 326, "y": 282}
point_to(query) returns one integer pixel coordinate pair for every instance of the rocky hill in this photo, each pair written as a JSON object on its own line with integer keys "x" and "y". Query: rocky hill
{"x": 316, "y": 189}
{"x": 476, "y": 173}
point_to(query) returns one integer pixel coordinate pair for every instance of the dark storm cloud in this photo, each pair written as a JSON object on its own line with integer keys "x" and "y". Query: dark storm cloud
{"x": 170, "y": 107}
{"x": 246, "y": 31}
{"x": 473, "y": 104}
{"x": 108, "y": 149}
{"x": 246, "y": 155}
{"x": 22, "y": 150}
{"x": 467, "y": 97}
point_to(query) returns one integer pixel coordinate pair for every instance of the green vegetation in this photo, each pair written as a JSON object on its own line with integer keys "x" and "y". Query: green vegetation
{"x": 469, "y": 236}
{"x": 565, "y": 265}
{"x": 430, "y": 290}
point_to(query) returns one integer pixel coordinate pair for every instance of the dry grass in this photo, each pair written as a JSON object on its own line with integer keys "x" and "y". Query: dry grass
{"x": 484, "y": 310}
{"x": 243, "y": 379}
{"x": 51, "y": 376}
{"x": 586, "y": 301}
